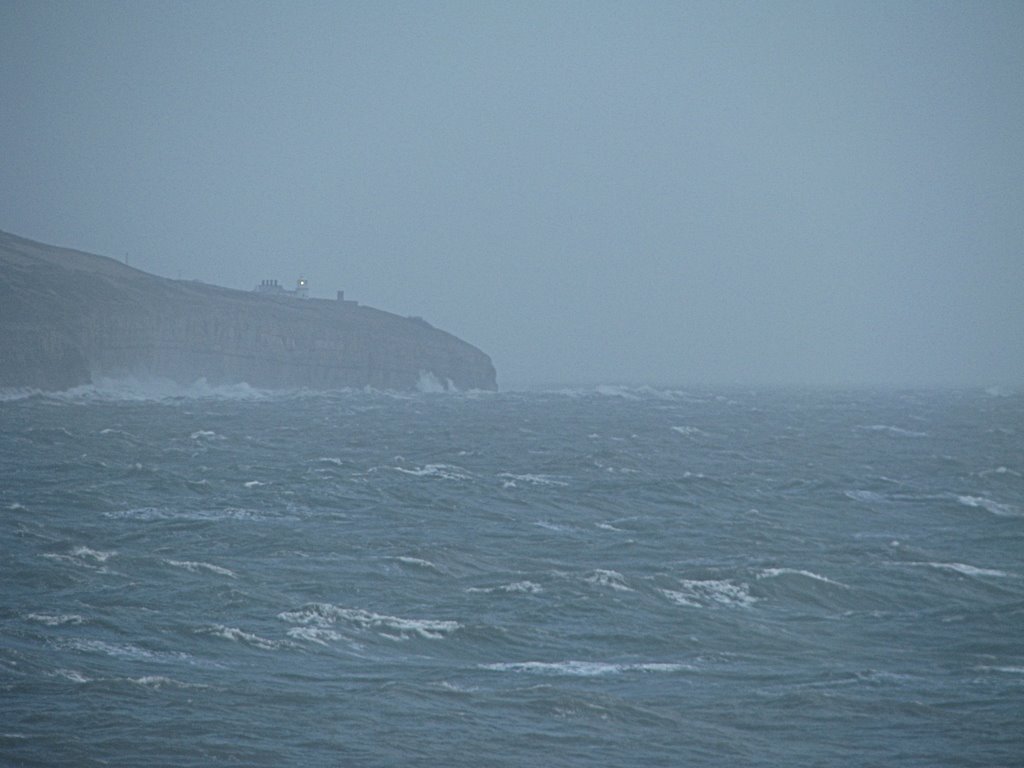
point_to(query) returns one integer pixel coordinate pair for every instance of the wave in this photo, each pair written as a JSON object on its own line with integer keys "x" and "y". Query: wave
{"x": 325, "y": 615}
{"x": 610, "y": 579}
{"x": 531, "y": 479}
{"x": 156, "y": 682}
{"x": 584, "y": 668}
{"x": 996, "y": 508}
{"x": 709, "y": 593}
{"x": 125, "y": 651}
{"x": 164, "y": 513}
{"x": 625, "y": 392}
{"x": 526, "y": 587}
{"x": 55, "y": 621}
{"x": 429, "y": 384}
{"x": 195, "y": 566}
{"x": 444, "y": 471}
{"x": 769, "y": 573}
{"x": 240, "y": 636}
{"x": 895, "y": 431}
{"x": 318, "y": 635}
{"x": 966, "y": 570}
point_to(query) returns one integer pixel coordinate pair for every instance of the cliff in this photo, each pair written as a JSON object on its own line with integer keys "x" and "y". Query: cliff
{"x": 68, "y": 317}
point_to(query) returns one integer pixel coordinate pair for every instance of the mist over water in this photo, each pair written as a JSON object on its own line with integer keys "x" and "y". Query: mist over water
{"x": 612, "y": 575}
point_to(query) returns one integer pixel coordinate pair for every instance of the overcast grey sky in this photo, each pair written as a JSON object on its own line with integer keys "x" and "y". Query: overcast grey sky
{"x": 667, "y": 193}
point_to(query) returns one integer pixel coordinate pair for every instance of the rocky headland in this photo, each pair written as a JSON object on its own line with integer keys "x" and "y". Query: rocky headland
{"x": 68, "y": 318}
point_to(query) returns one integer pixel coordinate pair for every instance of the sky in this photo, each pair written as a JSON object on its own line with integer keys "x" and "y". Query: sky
{"x": 591, "y": 192}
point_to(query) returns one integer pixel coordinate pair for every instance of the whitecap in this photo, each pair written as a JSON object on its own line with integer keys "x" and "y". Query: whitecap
{"x": 1008, "y": 670}
{"x": 73, "y": 675}
{"x": 526, "y": 587}
{"x": 769, "y": 573}
{"x": 393, "y": 627}
{"x": 94, "y": 554}
{"x": 891, "y": 430}
{"x": 444, "y": 471}
{"x": 130, "y": 389}
{"x": 161, "y": 513}
{"x": 1002, "y": 510}
{"x": 532, "y": 479}
{"x": 611, "y": 579}
{"x": 205, "y": 434}
{"x": 610, "y": 390}
{"x": 240, "y": 636}
{"x": 1000, "y": 471}
{"x": 314, "y": 634}
{"x": 253, "y": 484}
{"x": 417, "y": 562}
{"x": 55, "y": 621}
{"x": 195, "y": 567}
{"x": 157, "y": 682}
{"x": 550, "y": 526}
{"x": 966, "y": 570}
{"x": 702, "y": 594}
{"x": 689, "y": 431}
{"x": 867, "y": 497}
{"x": 124, "y": 650}
{"x": 583, "y": 668}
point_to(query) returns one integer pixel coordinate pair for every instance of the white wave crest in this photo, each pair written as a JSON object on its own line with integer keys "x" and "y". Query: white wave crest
{"x": 240, "y": 636}
{"x": 532, "y": 479}
{"x": 195, "y": 566}
{"x": 891, "y": 430}
{"x": 418, "y": 562}
{"x": 865, "y": 497}
{"x": 703, "y": 594}
{"x": 163, "y": 513}
{"x": 128, "y": 389}
{"x": 610, "y": 579}
{"x": 966, "y": 570}
{"x": 55, "y": 621}
{"x": 769, "y": 573}
{"x": 1000, "y": 471}
{"x": 1001, "y": 510}
{"x": 444, "y": 471}
{"x": 1008, "y": 670}
{"x": 314, "y": 634}
{"x": 526, "y": 587}
{"x": 326, "y": 615}
{"x": 583, "y": 668}
{"x": 125, "y": 651}
{"x": 73, "y": 675}
{"x": 93, "y": 554}
{"x": 156, "y": 682}
{"x": 205, "y": 434}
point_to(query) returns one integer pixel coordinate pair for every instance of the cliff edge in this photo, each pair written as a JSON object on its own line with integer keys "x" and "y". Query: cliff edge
{"x": 67, "y": 318}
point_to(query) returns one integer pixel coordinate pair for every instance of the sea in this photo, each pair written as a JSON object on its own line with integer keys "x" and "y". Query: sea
{"x": 593, "y": 576}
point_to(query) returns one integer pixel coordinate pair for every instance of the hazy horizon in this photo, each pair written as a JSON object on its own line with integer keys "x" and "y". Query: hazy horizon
{"x": 671, "y": 194}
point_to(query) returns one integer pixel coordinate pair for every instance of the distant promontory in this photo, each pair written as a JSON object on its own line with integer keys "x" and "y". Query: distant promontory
{"x": 68, "y": 318}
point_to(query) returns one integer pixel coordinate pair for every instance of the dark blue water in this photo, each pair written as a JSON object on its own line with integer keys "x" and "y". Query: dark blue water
{"x": 611, "y": 577}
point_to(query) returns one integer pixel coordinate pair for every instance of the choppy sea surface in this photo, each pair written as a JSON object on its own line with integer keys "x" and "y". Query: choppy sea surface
{"x": 608, "y": 576}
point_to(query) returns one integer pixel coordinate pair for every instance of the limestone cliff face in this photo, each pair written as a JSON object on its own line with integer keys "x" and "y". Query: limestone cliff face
{"x": 68, "y": 317}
